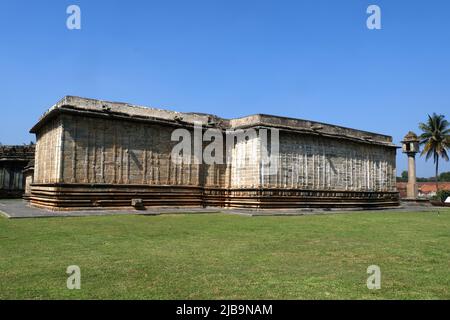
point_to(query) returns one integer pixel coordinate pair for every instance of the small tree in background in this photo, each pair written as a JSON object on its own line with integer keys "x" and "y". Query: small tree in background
{"x": 405, "y": 175}
{"x": 444, "y": 176}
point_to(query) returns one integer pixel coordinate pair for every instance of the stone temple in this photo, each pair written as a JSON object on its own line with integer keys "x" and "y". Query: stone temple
{"x": 14, "y": 161}
{"x": 100, "y": 154}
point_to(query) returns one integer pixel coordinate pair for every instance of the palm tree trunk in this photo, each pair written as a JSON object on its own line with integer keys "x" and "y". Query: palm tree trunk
{"x": 437, "y": 174}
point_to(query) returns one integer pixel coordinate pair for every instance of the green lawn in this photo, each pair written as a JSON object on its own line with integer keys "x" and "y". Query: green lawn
{"x": 221, "y": 256}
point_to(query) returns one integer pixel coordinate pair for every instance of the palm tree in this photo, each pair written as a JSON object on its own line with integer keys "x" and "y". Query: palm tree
{"x": 436, "y": 140}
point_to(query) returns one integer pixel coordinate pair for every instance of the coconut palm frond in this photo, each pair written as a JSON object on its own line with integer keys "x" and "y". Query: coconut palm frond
{"x": 424, "y": 127}
{"x": 444, "y": 155}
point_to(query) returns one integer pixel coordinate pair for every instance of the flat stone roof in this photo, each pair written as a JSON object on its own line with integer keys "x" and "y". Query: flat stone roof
{"x": 17, "y": 153}
{"x": 134, "y": 112}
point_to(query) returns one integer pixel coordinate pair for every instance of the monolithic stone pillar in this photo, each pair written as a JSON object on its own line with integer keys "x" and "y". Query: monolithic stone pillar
{"x": 410, "y": 146}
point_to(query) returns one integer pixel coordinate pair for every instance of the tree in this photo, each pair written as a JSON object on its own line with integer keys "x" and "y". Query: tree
{"x": 435, "y": 138}
{"x": 444, "y": 177}
{"x": 405, "y": 175}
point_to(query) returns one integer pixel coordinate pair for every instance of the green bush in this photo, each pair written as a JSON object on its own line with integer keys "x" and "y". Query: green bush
{"x": 442, "y": 195}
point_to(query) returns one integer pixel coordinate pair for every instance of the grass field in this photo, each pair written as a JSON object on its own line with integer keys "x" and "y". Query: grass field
{"x": 221, "y": 256}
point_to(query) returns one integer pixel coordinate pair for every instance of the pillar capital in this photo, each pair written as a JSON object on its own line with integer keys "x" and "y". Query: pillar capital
{"x": 410, "y": 144}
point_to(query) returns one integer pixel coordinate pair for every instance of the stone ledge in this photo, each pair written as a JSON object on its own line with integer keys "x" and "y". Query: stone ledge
{"x": 18, "y": 209}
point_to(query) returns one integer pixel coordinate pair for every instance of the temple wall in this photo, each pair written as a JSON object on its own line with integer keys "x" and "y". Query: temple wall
{"x": 11, "y": 177}
{"x": 102, "y": 151}
{"x": 107, "y": 151}
{"x": 319, "y": 163}
{"x": 13, "y": 160}
{"x": 108, "y": 161}
{"x": 28, "y": 181}
{"x": 245, "y": 164}
{"x": 48, "y": 153}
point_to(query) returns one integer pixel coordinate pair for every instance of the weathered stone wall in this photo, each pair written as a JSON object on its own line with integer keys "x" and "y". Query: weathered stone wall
{"x": 77, "y": 149}
{"x": 245, "y": 163}
{"x": 115, "y": 152}
{"x": 13, "y": 160}
{"x": 48, "y": 153}
{"x": 318, "y": 163}
{"x": 95, "y": 154}
{"x": 11, "y": 178}
{"x": 28, "y": 182}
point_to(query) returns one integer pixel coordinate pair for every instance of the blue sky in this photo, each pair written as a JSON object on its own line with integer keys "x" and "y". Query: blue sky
{"x": 311, "y": 59}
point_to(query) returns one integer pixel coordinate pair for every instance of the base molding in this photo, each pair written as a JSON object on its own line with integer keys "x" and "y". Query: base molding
{"x": 102, "y": 196}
